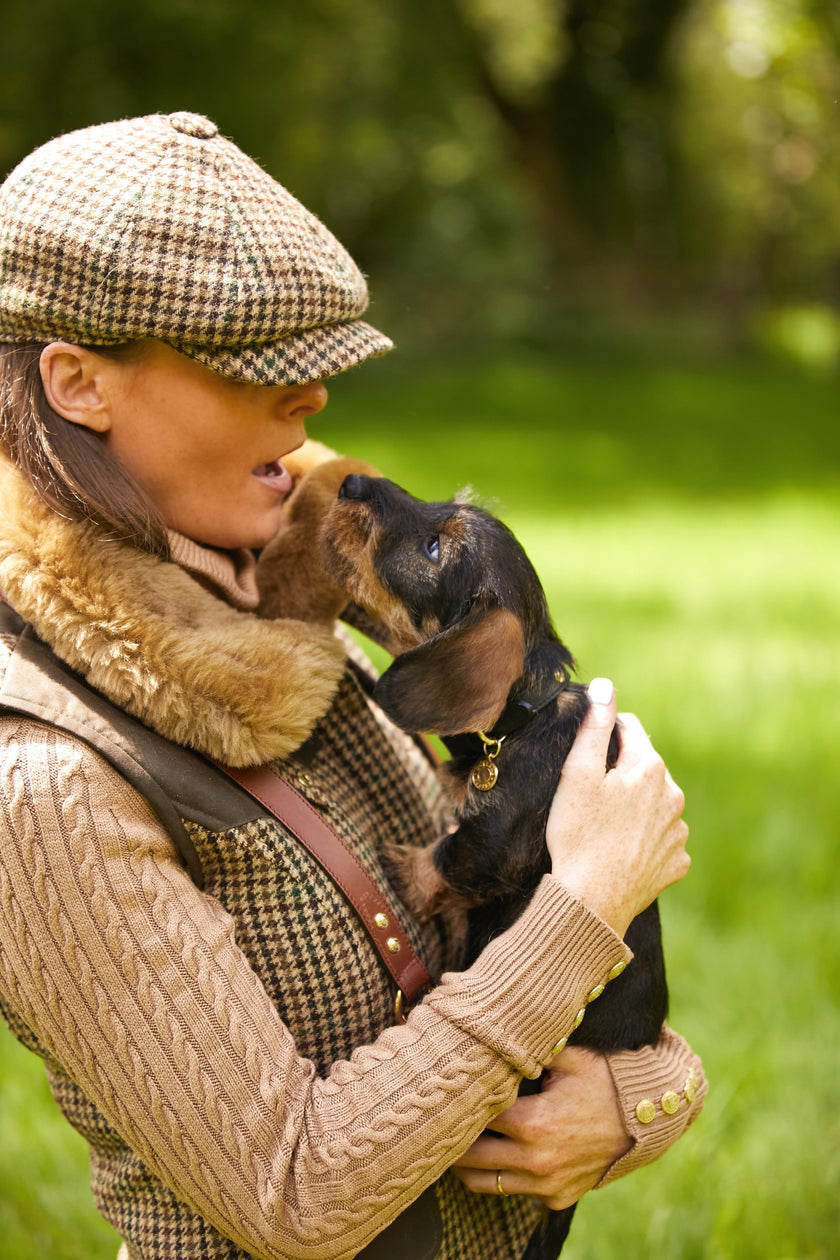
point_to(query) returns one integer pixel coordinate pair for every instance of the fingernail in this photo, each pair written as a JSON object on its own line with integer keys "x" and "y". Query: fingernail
{"x": 600, "y": 691}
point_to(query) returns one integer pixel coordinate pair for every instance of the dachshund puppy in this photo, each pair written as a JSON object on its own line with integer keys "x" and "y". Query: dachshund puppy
{"x": 477, "y": 660}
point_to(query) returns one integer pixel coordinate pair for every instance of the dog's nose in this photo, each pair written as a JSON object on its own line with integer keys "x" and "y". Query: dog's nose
{"x": 354, "y": 487}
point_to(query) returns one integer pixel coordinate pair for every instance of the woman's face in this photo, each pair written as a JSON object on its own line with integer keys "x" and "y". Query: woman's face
{"x": 206, "y": 449}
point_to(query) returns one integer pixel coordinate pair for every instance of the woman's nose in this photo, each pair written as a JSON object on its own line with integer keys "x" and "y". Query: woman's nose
{"x": 306, "y": 400}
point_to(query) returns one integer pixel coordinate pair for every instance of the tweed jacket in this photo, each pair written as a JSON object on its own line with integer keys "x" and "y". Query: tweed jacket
{"x": 228, "y": 1051}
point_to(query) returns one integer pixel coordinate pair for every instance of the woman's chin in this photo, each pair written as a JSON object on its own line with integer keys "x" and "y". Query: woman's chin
{"x": 251, "y": 529}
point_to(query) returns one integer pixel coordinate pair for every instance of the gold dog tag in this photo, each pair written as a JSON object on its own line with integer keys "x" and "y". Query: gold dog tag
{"x": 485, "y": 773}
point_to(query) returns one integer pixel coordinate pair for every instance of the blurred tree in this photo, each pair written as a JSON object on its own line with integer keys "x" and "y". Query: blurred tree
{"x": 586, "y": 89}
{"x": 758, "y": 134}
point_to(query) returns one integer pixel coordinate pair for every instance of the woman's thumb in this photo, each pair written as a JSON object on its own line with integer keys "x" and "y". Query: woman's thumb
{"x": 592, "y": 742}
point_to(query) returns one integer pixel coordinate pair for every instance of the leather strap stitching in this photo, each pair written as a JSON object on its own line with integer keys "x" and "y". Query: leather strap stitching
{"x": 327, "y": 847}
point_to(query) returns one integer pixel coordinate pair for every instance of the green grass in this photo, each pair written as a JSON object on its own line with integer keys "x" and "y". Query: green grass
{"x": 686, "y": 521}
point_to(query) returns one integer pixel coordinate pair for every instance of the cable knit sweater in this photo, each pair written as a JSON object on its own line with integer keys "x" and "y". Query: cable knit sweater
{"x": 176, "y": 1024}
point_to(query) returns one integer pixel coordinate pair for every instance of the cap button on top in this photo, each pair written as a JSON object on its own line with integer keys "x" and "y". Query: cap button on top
{"x": 193, "y": 125}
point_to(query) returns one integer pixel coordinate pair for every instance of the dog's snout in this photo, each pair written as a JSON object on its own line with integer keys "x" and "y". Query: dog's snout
{"x": 354, "y": 487}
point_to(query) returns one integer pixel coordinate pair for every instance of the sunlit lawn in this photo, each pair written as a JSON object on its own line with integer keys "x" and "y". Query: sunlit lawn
{"x": 686, "y": 521}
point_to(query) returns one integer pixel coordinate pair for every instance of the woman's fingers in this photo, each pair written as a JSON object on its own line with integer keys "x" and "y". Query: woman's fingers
{"x": 616, "y": 838}
{"x": 555, "y": 1145}
{"x": 588, "y": 754}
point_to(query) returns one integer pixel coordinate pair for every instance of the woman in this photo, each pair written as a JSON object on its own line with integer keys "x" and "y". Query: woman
{"x": 210, "y": 1014}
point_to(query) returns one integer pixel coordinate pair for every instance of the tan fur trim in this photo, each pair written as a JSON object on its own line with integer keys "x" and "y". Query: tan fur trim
{"x": 157, "y": 644}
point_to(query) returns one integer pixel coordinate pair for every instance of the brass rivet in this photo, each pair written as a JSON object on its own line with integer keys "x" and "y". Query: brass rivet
{"x": 381, "y": 920}
{"x": 596, "y": 993}
{"x": 559, "y": 676}
{"x": 616, "y": 971}
{"x": 670, "y": 1102}
{"x": 579, "y": 1017}
{"x": 645, "y": 1111}
{"x": 558, "y": 1046}
{"x": 393, "y": 944}
{"x": 304, "y": 779}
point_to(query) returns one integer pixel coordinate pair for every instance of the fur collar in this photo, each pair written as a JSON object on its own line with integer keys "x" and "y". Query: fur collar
{"x": 156, "y": 643}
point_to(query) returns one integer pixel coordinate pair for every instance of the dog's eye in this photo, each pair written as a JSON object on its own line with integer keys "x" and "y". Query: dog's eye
{"x": 432, "y": 547}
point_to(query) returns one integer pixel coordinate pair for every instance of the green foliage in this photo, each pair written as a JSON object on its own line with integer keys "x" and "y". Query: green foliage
{"x": 493, "y": 163}
{"x": 686, "y": 520}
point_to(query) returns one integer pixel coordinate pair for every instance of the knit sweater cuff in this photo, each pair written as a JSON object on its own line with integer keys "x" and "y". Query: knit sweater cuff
{"x": 529, "y": 988}
{"x": 661, "y": 1091}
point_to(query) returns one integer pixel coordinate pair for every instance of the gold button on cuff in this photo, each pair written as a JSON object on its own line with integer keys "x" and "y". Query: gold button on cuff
{"x": 690, "y": 1087}
{"x": 381, "y": 920}
{"x": 645, "y": 1111}
{"x": 579, "y": 1017}
{"x": 670, "y": 1102}
{"x": 616, "y": 971}
{"x": 596, "y": 992}
{"x": 393, "y": 944}
{"x": 558, "y": 1046}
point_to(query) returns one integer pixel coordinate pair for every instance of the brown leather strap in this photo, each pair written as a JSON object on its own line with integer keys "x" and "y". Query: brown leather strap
{"x": 330, "y": 851}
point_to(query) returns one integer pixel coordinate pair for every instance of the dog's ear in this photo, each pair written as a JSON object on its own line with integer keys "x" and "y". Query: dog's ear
{"x": 460, "y": 679}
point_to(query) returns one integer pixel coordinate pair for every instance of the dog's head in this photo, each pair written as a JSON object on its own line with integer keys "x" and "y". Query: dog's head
{"x": 460, "y": 599}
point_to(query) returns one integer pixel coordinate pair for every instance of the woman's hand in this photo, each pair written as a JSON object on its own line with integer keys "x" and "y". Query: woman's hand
{"x": 616, "y": 838}
{"x": 557, "y": 1144}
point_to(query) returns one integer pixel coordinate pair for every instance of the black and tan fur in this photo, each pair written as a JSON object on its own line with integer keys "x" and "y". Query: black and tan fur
{"x": 463, "y": 611}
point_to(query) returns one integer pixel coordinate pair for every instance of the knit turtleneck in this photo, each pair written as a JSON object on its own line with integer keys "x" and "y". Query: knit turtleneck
{"x": 231, "y": 574}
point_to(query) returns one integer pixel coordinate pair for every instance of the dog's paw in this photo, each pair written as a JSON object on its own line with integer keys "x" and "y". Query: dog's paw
{"x": 417, "y": 879}
{"x": 291, "y": 579}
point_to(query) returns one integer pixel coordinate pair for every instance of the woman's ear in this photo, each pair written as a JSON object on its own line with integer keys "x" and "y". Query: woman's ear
{"x": 73, "y": 384}
{"x": 459, "y": 680}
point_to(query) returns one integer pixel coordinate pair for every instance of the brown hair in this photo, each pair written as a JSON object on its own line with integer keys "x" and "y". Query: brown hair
{"x": 68, "y": 465}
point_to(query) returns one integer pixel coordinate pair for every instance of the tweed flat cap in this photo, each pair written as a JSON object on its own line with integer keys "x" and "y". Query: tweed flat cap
{"x": 160, "y": 227}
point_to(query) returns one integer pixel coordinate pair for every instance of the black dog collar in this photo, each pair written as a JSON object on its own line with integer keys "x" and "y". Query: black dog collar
{"x": 521, "y": 712}
{"x": 515, "y": 715}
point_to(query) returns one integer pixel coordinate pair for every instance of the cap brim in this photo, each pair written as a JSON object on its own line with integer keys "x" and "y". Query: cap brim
{"x": 301, "y": 357}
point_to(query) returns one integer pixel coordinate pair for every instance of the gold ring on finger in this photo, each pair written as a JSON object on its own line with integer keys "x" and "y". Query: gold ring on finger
{"x": 499, "y": 1188}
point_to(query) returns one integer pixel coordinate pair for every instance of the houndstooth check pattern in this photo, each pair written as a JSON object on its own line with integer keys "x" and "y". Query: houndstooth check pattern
{"x": 318, "y": 966}
{"x": 160, "y": 227}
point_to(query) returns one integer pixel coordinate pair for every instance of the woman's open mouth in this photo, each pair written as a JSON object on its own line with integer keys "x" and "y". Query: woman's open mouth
{"x": 274, "y": 475}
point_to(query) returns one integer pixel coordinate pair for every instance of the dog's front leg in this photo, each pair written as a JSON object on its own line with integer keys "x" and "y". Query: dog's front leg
{"x": 418, "y": 879}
